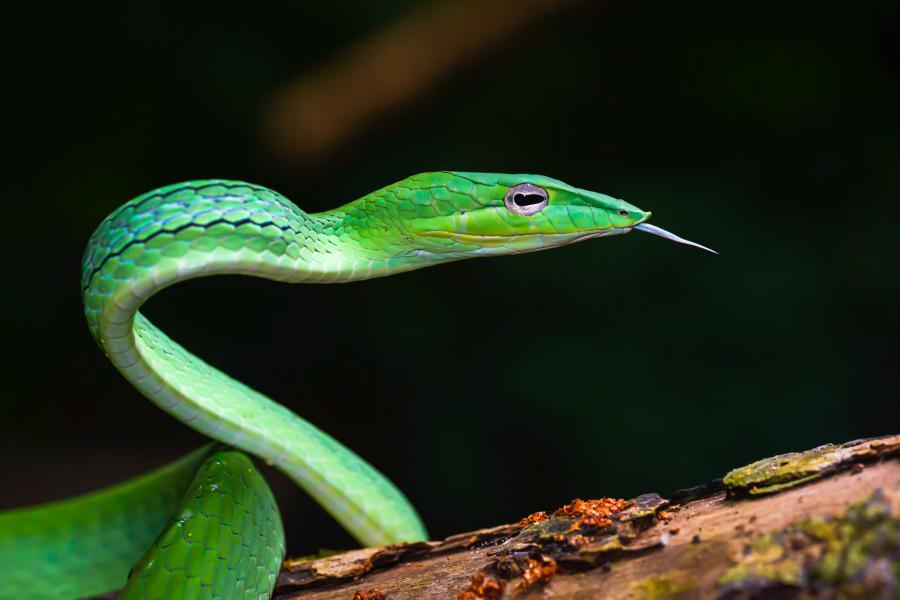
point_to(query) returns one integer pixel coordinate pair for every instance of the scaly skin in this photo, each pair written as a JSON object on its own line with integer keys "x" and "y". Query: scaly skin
{"x": 207, "y": 526}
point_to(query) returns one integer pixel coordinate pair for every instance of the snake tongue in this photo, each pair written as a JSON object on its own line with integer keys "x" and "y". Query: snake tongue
{"x": 669, "y": 236}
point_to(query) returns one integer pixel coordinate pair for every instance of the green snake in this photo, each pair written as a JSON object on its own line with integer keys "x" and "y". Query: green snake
{"x": 207, "y": 526}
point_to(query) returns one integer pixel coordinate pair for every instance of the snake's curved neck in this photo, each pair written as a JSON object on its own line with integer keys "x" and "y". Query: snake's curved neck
{"x": 219, "y": 227}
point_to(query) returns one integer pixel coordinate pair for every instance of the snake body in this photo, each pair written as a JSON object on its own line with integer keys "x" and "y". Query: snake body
{"x": 207, "y": 525}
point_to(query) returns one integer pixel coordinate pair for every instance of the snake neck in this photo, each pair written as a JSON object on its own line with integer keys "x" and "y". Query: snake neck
{"x": 205, "y": 228}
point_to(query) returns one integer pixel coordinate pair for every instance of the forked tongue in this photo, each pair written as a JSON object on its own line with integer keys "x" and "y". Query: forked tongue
{"x": 669, "y": 236}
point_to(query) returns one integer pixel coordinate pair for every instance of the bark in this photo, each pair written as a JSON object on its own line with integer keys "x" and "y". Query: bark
{"x": 825, "y": 523}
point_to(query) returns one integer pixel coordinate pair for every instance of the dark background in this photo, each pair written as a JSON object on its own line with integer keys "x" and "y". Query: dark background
{"x": 494, "y": 388}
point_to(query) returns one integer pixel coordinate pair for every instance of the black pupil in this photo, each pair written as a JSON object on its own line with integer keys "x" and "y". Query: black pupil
{"x": 527, "y": 199}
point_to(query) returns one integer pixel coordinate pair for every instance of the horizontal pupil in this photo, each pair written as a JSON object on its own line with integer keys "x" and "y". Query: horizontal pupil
{"x": 527, "y": 199}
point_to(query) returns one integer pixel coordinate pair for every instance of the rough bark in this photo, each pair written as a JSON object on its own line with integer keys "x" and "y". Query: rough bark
{"x": 822, "y": 523}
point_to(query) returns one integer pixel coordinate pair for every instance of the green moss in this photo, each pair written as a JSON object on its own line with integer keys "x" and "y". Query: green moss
{"x": 786, "y": 572}
{"x": 783, "y": 471}
{"x": 661, "y": 587}
{"x": 866, "y": 534}
{"x": 765, "y": 558}
{"x": 856, "y": 554}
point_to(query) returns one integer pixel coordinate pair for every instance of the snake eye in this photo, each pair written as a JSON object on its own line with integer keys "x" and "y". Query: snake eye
{"x": 623, "y": 213}
{"x": 525, "y": 199}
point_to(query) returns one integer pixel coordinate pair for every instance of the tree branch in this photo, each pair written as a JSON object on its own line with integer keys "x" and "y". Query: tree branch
{"x": 778, "y": 525}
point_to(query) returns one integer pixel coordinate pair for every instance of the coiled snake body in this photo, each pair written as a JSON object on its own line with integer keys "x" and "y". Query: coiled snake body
{"x": 207, "y": 525}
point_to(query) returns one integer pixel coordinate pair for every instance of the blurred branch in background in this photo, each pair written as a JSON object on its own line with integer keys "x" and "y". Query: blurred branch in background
{"x": 394, "y": 66}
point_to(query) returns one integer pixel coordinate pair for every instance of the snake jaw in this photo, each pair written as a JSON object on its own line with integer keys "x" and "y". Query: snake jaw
{"x": 523, "y": 242}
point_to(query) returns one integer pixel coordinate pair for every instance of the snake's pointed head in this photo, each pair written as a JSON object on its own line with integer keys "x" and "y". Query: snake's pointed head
{"x": 446, "y": 215}
{"x": 492, "y": 213}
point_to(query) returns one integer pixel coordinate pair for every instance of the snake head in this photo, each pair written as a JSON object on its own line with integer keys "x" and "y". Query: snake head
{"x": 477, "y": 214}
